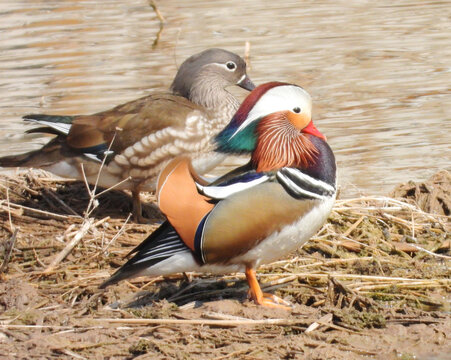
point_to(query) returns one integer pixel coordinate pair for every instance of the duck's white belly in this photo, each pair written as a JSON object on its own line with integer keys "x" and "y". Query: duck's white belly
{"x": 71, "y": 168}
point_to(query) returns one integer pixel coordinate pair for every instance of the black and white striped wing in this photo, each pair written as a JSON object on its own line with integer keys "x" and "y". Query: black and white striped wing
{"x": 158, "y": 246}
{"x": 234, "y": 185}
{"x": 302, "y": 186}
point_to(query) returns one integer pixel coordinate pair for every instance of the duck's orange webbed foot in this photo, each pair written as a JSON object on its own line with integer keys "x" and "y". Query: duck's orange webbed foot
{"x": 261, "y": 298}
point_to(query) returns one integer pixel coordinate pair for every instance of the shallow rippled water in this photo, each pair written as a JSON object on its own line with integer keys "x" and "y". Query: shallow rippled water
{"x": 379, "y": 72}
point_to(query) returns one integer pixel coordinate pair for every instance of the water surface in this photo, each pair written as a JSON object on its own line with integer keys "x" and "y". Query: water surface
{"x": 379, "y": 72}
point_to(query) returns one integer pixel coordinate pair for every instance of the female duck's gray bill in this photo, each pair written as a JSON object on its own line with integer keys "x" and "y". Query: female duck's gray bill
{"x": 246, "y": 83}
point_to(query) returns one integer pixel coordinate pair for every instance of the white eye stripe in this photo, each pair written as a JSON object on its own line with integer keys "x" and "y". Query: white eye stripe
{"x": 224, "y": 66}
{"x": 279, "y": 98}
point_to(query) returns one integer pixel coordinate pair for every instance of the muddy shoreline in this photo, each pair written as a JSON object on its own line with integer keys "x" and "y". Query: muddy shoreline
{"x": 373, "y": 283}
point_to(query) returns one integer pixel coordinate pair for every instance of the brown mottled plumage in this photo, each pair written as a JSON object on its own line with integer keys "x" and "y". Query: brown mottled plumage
{"x": 138, "y": 138}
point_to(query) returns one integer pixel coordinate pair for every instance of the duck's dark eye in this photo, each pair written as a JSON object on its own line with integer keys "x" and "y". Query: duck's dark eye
{"x": 231, "y": 65}
{"x": 297, "y": 110}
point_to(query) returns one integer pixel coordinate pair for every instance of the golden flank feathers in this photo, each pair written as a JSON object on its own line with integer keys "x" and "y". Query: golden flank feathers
{"x": 263, "y": 210}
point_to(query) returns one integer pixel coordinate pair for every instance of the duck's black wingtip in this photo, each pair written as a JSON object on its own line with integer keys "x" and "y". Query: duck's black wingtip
{"x": 114, "y": 279}
{"x": 124, "y": 272}
{"x": 105, "y": 284}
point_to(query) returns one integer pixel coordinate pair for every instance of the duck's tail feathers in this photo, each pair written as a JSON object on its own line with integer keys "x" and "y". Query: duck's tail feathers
{"x": 49, "y": 154}
{"x": 162, "y": 244}
{"x": 53, "y": 124}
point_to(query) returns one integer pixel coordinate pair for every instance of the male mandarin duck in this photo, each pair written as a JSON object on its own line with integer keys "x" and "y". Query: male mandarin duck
{"x": 256, "y": 213}
{"x": 138, "y": 138}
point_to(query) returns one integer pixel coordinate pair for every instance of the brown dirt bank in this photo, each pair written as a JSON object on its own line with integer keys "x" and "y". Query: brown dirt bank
{"x": 373, "y": 283}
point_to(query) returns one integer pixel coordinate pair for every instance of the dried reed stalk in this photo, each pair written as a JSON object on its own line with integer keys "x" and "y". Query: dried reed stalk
{"x": 208, "y": 322}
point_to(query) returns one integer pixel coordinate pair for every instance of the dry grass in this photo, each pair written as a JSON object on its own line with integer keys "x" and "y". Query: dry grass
{"x": 377, "y": 263}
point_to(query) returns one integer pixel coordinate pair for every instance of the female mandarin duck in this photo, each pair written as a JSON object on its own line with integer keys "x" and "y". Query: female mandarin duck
{"x": 138, "y": 138}
{"x": 256, "y": 213}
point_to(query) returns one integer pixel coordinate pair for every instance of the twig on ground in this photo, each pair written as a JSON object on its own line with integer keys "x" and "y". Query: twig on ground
{"x": 353, "y": 227}
{"x": 208, "y": 322}
{"x": 37, "y": 211}
{"x": 430, "y": 252}
{"x": 70, "y": 246}
{"x": 61, "y": 202}
{"x": 9, "y": 246}
{"x": 322, "y": 321}
{"x": 119, "y": 233}
{"x": 11, "y": 227}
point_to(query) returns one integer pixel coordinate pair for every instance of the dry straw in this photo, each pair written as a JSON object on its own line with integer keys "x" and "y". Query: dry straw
{"x": 373, "y": 252}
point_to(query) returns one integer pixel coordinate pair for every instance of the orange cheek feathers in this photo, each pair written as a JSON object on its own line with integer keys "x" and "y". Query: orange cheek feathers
{"x": 299, "y": 121}
{"x": 304, "y": 123}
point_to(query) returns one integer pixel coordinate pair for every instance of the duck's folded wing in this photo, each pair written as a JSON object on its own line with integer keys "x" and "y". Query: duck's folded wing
{"x": 253, "y": 206}
{"x": 126, "y": 125}
{"x": 240, "y": 222}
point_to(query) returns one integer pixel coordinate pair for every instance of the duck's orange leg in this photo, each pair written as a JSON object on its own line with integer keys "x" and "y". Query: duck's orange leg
{"x": 261, "y": 298}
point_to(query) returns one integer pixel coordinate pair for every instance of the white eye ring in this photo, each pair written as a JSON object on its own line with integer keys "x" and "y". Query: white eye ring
{"x": 230, "y": 65}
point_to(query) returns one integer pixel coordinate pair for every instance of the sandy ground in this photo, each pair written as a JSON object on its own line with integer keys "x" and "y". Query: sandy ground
{"x": 373, "y": 283}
